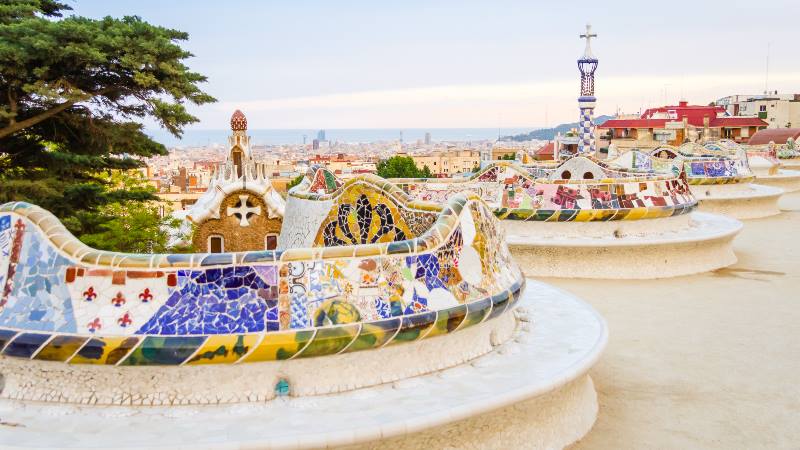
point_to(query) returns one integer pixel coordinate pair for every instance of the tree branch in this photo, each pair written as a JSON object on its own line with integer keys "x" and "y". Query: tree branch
{"x": 14, "y": 126}
{"x": 30, "y": 121}
{"x": 12, "y": 102}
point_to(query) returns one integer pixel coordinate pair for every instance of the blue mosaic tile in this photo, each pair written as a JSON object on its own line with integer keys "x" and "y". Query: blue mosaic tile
{"x": 428, "y": 270}
{"x": 5, "y": 337}
{"x": 218, "y": 301}
{"x": 299, "y": 312}
{"x": 383, "y": 308}
{"x": 25, "y": 345}
{"x": 39, "y": 299}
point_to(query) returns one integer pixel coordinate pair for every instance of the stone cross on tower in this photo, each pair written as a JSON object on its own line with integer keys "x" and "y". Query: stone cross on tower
{"x": 243, "y": 210}
{"x": 587, "y": 54}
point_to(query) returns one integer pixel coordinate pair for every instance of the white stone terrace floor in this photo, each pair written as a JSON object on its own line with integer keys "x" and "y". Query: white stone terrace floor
{"x": 707, "y": 361}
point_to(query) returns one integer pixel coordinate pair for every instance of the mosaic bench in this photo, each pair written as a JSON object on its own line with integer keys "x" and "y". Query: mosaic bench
{"x": 382, "y": 270}
{"x": 788, "y": 154}
{"x": 577, "y": 190}
{"x": 720, "y": 176}
{"x": 770, "y": 170}
{"x": 573, "y": 221}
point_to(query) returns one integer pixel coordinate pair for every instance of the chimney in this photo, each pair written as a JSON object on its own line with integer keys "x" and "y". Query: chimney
{"x": 683, "y": 103}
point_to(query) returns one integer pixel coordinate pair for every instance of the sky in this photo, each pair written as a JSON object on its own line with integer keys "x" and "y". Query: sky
{"x": 448, "y": 64}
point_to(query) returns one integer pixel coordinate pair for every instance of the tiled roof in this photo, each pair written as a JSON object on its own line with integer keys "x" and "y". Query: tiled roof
{"x": 634, "y": 123}
{"x": 776, "y": 135}
{"x": 737, "y": 122}
{"x": 238, "y": 121}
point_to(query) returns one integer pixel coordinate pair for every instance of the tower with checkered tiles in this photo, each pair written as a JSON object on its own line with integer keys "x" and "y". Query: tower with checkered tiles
{"x": 587, "y": 64}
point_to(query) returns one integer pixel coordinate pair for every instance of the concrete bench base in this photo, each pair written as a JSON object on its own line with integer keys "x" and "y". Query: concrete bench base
{"x": 643, "y": 249}
{"x": 253, "y": 382}
{"x": 790, "y": 164}
{"x": 788, "y": 180}
{"x": 531, "y": 392}
{"x": 740, "y": 201}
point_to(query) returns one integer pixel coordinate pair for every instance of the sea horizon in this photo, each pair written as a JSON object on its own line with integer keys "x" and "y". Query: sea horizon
{"x": 277, "y": 136}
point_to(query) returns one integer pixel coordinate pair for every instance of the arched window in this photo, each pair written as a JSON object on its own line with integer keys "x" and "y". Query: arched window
{"x": 588, "y": 176}
{"x": 271, "y": 241}
{"x": 566, "y": 175}
{"x": 237, "y": 155}
{"x": 216, "y": 244}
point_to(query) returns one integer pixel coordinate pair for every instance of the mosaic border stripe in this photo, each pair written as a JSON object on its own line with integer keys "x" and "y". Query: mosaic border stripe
{"x": 149, "y": 350}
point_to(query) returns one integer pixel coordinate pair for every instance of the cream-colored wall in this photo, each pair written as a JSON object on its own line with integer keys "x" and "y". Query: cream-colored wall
{"x": 449, "y": 163}
{"x": 779, "y": 112}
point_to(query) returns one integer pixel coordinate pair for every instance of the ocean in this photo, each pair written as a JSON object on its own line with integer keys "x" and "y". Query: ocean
{"x": 193, "y": 138}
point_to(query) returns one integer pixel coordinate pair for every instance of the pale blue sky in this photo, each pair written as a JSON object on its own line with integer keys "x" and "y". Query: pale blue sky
{"x": 362, "y": 64}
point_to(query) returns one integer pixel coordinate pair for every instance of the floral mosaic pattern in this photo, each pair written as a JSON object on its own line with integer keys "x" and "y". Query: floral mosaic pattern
{"x": 66, "y": 302}
{"x": 367, "y": 221}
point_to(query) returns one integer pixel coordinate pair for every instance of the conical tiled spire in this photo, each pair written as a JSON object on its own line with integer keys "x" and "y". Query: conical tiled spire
{"x": 238, "y": 121}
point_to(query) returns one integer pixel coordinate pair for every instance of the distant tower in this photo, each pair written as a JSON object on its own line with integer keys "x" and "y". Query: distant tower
{"x": 587, "y": 64}
{"x": 428, "y": 138}
{"x": 239, "y": 142}
{"x": 321, "y": 135}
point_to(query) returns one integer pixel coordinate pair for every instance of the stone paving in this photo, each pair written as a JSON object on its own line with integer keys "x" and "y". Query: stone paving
{"x": 704, "y": 361}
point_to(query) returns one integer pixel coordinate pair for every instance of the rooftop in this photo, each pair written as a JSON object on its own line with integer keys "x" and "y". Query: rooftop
{"x": 776, "y": 135}
{"x": 695, "y": 115}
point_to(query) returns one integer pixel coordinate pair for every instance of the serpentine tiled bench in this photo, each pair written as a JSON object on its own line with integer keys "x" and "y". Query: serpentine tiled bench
{"x": 721, "y": 179}
{"x": 584, "y": 218}
{"x": 770, "y": 171}
{"x": 359, "y": 305}
{"x": 788, "y": 157}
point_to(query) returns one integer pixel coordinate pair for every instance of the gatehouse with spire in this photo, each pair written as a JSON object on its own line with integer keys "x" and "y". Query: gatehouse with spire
{"x": 241, "y": 210}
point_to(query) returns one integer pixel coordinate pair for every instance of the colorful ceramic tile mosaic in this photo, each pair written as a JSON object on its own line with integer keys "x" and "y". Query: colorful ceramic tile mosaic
{"x": 383, "y": 269}
{"x": 712, "y": 163}
{"x": 576, "y": 190}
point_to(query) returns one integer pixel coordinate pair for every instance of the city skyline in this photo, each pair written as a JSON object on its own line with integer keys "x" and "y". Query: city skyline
{"x": 463, "y": 65}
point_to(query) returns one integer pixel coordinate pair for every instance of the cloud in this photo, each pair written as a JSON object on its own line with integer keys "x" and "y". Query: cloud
{"x": 509, "y": 104}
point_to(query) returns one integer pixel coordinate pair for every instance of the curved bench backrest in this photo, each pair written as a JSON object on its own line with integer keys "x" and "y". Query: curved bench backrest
{"x": 60, "y": 296}
{"x": 515, "y": 194}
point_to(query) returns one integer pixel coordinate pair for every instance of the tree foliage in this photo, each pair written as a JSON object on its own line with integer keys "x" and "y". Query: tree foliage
{"x": 294, "y": 181}
{"x": 130, "y": 226}
{"x": 134, "y": 227}
{"x": 402, "y": 167}
{"x": 73, "y": 94}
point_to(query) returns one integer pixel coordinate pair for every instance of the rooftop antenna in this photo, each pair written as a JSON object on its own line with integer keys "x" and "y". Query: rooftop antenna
{"x": 499, "y": 125}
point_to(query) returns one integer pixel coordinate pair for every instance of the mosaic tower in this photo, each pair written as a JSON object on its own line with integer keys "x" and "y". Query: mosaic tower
{"x": 587, "y": 64}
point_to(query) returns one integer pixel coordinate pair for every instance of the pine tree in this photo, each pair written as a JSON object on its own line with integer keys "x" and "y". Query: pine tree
{"x": 73, "y": 94}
